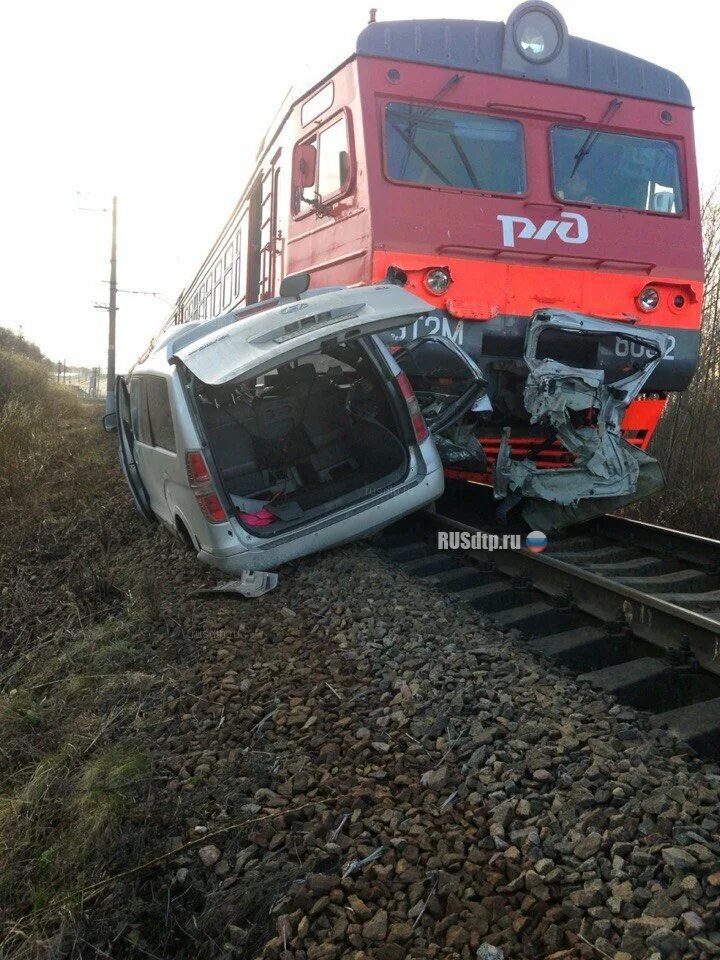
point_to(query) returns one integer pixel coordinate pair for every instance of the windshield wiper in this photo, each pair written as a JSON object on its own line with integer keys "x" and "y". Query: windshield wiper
{"x": 465, "y": 162}
{"x": 590, "y": 139}
{"x": 412, "y": 125}
{"x": 412, "y": 148}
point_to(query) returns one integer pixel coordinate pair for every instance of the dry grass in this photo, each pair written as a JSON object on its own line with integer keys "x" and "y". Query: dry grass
{"x": 687, "y": 442}
{"x": 33, "y": 413}
{"x": 75, "y": 668}
{"x": 23, "y": 379}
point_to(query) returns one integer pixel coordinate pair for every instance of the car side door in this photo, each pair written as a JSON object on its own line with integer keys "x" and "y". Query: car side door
{"x": 127, "y": 450}
{"x": 156, "y": 445}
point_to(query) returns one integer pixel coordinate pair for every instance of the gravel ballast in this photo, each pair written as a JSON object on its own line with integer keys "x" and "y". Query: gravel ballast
{"x": 417, "y": 785}
{"x": 351, "y": 766}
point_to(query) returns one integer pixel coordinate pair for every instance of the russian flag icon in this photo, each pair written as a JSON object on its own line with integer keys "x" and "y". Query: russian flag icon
{"x": 536, "y": 541}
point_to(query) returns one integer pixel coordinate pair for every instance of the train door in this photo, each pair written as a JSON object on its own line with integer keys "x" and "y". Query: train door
{"x": 268, "y": 229}
{"x": 264, "y": 245}
{"x": 254, "y": 242}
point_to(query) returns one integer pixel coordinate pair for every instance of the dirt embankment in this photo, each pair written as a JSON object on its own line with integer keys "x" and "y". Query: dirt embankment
{"x": 346, "y": 767}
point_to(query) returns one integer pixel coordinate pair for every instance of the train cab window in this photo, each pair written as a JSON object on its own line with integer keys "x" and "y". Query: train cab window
{"x": 615, "y": 170}
{"x": 449, "y": 148}
{"x": 333, "y": 159}
{"x": 331, "y": 162}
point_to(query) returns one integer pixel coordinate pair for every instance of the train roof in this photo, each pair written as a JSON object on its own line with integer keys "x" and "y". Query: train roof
{"x": 489, "y": 47}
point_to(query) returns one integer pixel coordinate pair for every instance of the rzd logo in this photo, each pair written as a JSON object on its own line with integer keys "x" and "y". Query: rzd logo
{"x": 572, "y": 228}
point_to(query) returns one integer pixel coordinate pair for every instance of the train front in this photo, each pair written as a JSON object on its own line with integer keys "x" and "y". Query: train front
{"x": 540, "y": 192}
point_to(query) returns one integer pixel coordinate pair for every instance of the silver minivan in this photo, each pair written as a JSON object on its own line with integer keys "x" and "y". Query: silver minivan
{"x": 289, "y": 427}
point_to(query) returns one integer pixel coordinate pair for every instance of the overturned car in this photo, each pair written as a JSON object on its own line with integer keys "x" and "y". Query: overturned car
{"x": 288, "y": 427}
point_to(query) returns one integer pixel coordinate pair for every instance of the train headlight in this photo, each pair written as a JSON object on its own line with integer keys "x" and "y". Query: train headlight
{"x": 437, "y": 281}
{"x": 538, "y": 34}
{"x": 649, "y": 298}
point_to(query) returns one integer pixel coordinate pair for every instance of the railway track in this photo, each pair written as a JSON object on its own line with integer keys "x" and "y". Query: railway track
{"x": 632, "y": 608}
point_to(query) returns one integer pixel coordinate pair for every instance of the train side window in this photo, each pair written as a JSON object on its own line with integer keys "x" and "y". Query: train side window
{"x": 239, "y": 285}
{"x": 208, "y": 296}
{"x": 329, "y": 153}
{"x": 317, "y": 104}
{"x": 227, "y": 275}
{"x": 333, "y": 159}
{"x": 217, "y": 284}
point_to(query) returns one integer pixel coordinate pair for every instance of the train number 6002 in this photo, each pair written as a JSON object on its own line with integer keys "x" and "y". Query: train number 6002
{"x": 631, "y": 348}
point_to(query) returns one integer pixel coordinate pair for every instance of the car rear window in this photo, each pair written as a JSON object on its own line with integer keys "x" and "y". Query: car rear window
{"x": 615, "y": 170}
{"x": 450, "y": 148}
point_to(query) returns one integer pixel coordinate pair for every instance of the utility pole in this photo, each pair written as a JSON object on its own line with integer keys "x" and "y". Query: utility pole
{"x": 110, "y": 395}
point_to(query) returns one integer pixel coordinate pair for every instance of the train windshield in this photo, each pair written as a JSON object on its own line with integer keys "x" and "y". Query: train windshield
{"x": 429, "y": 145}
{"x": 615, "y": 170}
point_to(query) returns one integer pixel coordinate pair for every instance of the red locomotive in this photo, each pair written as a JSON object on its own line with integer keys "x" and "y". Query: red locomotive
{"x": 494, "y": 169}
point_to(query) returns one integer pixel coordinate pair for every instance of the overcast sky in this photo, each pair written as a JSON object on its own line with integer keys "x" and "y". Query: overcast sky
{"x": 163, "y": 102}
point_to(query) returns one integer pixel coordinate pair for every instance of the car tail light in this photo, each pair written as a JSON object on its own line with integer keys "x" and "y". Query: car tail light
{"x": 418, "y": 421}
{"x": 199, "y": 477}
{"x": 211, "y": 507}
{"x": 197, "y": 470}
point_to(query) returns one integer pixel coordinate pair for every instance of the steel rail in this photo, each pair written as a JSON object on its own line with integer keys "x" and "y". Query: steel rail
{"x": 690, "y": 547}
{"x": 649, "y": 617}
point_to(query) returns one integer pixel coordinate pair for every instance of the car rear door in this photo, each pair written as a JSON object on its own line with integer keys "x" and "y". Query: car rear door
{"x": 126, "y": 449}
{"x": 253, "y": 343}
{"x": 250, "y": 344}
